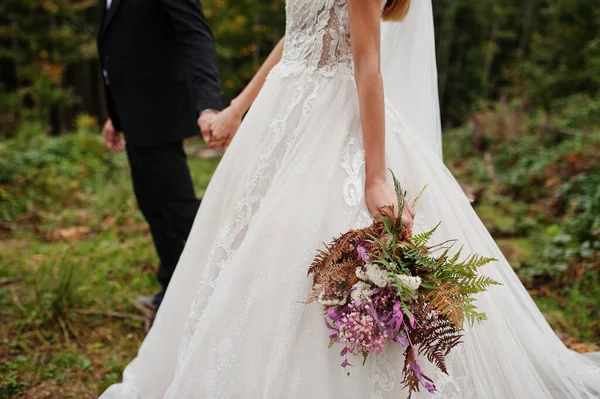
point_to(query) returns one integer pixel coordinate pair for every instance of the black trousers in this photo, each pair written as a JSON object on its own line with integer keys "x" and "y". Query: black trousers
{"x": 165, "y": 195}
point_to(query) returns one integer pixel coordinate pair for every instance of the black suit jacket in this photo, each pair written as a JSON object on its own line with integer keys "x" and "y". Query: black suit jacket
{"x": 161, "y": 67}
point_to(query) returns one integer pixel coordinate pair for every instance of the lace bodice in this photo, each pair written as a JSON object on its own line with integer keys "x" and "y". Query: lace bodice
{"x": 317, "y": 36}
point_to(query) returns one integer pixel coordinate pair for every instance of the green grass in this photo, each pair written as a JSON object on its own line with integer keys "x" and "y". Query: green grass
{"x": 74, "y": 251}
{"x": 538, "y": 185}
{"x": 68, "y": 328}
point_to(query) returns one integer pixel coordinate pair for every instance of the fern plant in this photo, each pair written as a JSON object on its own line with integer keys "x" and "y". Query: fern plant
{"x": 410, "y": 291}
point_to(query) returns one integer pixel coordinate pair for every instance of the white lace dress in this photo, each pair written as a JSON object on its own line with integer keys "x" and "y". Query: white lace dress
{"x": 233, "y": 324}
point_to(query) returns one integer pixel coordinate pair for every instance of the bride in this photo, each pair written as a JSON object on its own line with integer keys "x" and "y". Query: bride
{"x": 308, "y": 163}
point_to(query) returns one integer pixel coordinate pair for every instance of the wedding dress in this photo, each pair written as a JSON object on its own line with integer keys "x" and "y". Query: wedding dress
{"x": 233, "y": 323}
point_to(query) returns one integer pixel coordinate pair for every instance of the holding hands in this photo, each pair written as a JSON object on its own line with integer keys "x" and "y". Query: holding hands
{"x": 219, "y": 128}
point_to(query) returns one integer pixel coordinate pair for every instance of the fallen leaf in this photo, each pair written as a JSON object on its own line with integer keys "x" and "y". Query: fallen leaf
{"x": 76, "y": 233}
{"x": 576, "y": 345}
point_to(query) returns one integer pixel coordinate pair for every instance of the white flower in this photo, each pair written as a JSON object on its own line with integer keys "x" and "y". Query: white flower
{"x": 361, "y": 274}
{"x": 331, "y": 300}
{"x": 410, "y": 282}
{"x": 375, "y": 274}
{"x": 361, "y": 290}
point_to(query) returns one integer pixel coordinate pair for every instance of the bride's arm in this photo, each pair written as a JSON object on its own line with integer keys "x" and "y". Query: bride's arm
{"x": 245, "y": 99}
{"x": 227, "y": 122}
{"x": 364, "y": 32}
{"x": 365, "y": 26}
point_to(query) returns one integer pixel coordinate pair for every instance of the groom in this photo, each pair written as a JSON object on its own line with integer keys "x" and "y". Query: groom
{"x": 162, "y": 82}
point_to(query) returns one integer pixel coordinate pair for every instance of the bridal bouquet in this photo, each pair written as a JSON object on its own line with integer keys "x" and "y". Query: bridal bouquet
{"x": 381, "y": 284}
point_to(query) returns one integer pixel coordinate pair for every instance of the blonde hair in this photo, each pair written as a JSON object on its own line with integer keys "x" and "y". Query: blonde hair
{"x": 395, "y": 10}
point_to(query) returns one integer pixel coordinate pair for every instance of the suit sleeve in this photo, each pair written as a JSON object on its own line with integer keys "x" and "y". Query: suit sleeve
{"x": 112, "y": 110}
{"x": 194, "y": 34}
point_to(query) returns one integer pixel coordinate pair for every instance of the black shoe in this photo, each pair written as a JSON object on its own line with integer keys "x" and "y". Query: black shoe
{"x": 150, "y": 302}
{"x": 145, "y": 303}
{"x": 157, "y": 299}
{"x": 148, "y": 305}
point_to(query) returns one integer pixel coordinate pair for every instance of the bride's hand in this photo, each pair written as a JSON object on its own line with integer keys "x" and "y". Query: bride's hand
{"x": 224, "y": 127}
{"x": 380, "y": 194}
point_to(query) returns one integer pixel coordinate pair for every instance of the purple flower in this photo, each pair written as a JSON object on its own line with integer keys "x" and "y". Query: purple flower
{"x": 362, "y": 252}
{"x": 398, "y": 316}
{"x": 423, "y": 379}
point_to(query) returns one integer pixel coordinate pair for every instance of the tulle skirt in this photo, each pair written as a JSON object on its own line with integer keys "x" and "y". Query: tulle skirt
{"x": 234, "y": 323}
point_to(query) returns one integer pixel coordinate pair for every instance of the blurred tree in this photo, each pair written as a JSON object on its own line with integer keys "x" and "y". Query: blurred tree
{"x": 563, "y": 54}
{"x": 40, "y": 42}
{"x": 532, "y": 50}
{"x": 536, "y": 50}
{"x": 245, "y": 32}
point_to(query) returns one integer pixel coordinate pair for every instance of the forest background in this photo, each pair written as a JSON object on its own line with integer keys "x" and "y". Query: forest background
{"x": 519, "y": 88}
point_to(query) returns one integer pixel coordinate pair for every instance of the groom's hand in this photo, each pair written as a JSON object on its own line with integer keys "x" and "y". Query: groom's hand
{"x": 224, "y": 127}
{"x": 113, "y": 140}
{"x": 205, "y": 121}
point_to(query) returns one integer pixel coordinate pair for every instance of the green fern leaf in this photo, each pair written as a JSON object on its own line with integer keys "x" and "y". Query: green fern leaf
{"x": 399, "y": 193}
{"x": 423, "y": 238}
